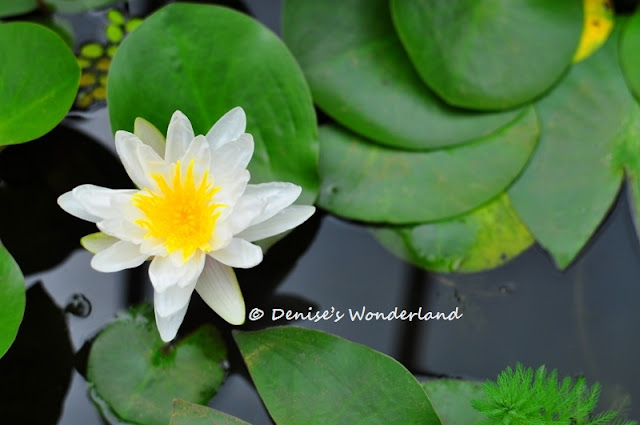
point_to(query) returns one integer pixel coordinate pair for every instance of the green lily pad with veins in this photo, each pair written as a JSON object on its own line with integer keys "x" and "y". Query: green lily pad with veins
{"x": 138, "y": 376}
{"x": 490, "y": 54}
{"x": 361, "y": 76}
{"x": 314, "y": 378}
{"x": 368, "y": 182}
{"x": 205, "y": 60}
{"x": 590, "y": 135}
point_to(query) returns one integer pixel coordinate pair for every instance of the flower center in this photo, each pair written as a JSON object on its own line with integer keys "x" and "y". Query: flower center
{"x": 182, "y": 213}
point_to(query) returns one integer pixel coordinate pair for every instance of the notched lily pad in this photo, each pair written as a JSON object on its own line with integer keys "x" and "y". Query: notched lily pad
{"x": 489, "y": 55}
{"x": 361, "y": 76}
{"x": 138, "y": 376}
{"x": 588, "y": 124}
{"x": 371, "y": 183}
{"x": 481, "y": 239}
{"x": 313, "y": 378}
{"x": 241, "y": 63}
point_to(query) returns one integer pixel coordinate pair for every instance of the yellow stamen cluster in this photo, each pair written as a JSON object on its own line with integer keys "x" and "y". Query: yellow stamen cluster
{"x": 182, "y": 213}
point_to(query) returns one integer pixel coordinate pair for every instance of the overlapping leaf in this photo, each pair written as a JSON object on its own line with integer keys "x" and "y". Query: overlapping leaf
{"x": 371, "y": 183}
{"x": 629, "y": 57}
{"x": 482, "y": 239}
{"x": 489, "y": 55}
{"x": 589, "y": 134}
{"x": 205, "y": 60}
{"x": 361, "y": 76}
{"x": 452, "y": 400}
{"x": 185, "y": 413}
{"x": 310, "y": 377}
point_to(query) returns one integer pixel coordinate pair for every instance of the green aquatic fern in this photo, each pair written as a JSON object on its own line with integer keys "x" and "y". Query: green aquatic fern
{"x": 525, "y": 397}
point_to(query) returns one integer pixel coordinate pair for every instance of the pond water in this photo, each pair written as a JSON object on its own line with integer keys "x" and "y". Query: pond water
{"x": 582, "y": 321}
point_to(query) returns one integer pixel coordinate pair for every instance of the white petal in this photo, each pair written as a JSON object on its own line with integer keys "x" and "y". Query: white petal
{"x": 173, "y": 299}
{"x": 168, "y": 326}
{"x": 152, "y": 164}
{"x": 179, "y": 136}
{"x": 103, "y": 202}
{"x": 200, "y": 153}
{"x": 239, "y": 253}
{"x": 119, "y": 256}
{"x": 149, "y": 135}
{"x": 228, "y": 128}
{"x": 127, "y": 146}
{"x": 219, "y": 288}
{"x": 166, "y": 272}
{"x": 286, "y": 219}
{"x": 277, "y": 195}
{"x": 123, "y": 229}
{"x": 245, "y": 211}
{"x": 233, "y": 156}
{"x": 154, "y": 246}
{"x": 96, "y": 242}
{"x": 70, "y": 204}
{"x": 222, "y": 236}
{"x": 231, "y": 189}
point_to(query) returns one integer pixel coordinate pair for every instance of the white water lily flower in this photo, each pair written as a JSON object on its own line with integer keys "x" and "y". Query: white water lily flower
{"x": 194, "y": 216}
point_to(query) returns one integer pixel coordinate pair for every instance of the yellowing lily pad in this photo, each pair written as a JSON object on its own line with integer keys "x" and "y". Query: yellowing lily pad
{"x": 361, "y": 76}
{"x": 489, "y": 55}
{"x": 39, "y": 76}
{"x": 313, "y": 378}
{"x": 371, "y": 183}
{"x": 598, "y": 23}
{"x": 205, "y": 60}
{"x": 479, "y": 240}
{"x": 138, "y": 376}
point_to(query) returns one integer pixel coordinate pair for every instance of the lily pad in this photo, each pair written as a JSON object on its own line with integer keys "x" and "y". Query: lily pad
{"x": 39, "y": 77}
{"x": 73, "y": 6}
{"x": 12, "y": 292}
{"x": 310, "y": 377}
{"x": 17, "y": 7}
{"x": 185, "y": 413}
{"x": 360, "y": 74}
{"x": 481, "y": 239}
{"x": 598, "y": 23}
{"x": 489, "y": 55}
{"x": 452, "y": 400}
{"x": 371, "y": 183}
{"x": 587, "y": 124}
{"x": 629, "y": 58}
{"x": 240, "y": 63}
{"x": 138, "y": 375}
